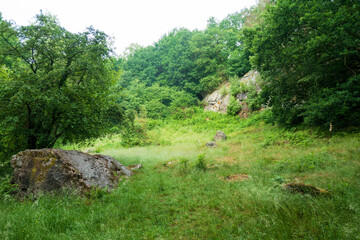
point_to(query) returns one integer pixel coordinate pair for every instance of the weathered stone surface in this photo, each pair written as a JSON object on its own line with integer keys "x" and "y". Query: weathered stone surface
{"x": 251, "y": 78}
{"x": 211, "y": 144}
{"x": 53, "y": 169}
{"x": 218, "y": 102}
{"x": 220, "y": 136}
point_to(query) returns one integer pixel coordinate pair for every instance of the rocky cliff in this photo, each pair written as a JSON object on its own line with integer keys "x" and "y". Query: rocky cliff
{"x": 219, "y": 100}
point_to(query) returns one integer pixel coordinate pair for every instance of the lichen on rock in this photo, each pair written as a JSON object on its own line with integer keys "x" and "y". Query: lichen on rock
{"x": 44, "y": 170}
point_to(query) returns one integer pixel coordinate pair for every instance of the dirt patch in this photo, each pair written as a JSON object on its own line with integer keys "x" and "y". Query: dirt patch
{"x": 227, "y": 159}
{"x": 236, "y": 178}
{"x": 306, "y": 189}
{"x": 254, "y": 130}
{"x": 235, "y": 148}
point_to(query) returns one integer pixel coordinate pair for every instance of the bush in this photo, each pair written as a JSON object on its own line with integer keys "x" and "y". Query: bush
{"x": 201, "y": 163}
{"x": 234, "y": 107}
{"x": 337, "y": 106}
{"x": 134, "y": 135}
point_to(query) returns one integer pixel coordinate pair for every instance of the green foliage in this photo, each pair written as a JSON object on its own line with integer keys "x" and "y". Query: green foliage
{"x": 235, "y": 85}
{"x": 155, "y": 101}
{"x": 6, "y": 188}
{"x": 336, "y": 106}
{"x": 134, "y": 134}
{"x": 54, "y": 84}
{"x": 170, "y": 77}
{"x": 196, "y": 62}
{"x": 234, "y": 107}
{"x": 254, "y": 99}
{"x": 166, "y": 201}
{"x": 96, "y": 193}
{"x": 309, "y": 162}
{"x": 184, "y": 164}
{"x": 293, "y": 137}
{"x": 224, "y": 90}
{"x": 182, "y": 113}
{"x": 307, "y": 52}
{"x": 201, "y": 163}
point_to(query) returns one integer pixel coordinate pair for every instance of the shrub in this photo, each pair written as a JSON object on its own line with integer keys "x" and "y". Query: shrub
{"x": 201, "y": 163}
{"x": 234, "y": 107}
{"x": 134, "y": 135}
{"x": 337, "y": 106}
{"x": 224, "y": 90}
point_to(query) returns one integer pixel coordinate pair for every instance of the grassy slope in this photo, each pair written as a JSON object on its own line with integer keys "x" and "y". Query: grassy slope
{"x": 182, "y": 201}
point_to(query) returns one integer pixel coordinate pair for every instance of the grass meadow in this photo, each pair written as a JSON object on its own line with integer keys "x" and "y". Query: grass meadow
{"x": 187, "y": 191}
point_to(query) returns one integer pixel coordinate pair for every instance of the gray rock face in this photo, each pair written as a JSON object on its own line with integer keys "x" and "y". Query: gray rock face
{"x": 53, "y": 169}
{"x": 220, "y": 136}
{"x": 216, "y": 102}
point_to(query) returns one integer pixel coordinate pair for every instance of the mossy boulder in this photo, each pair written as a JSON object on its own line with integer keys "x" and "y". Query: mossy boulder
{"x": 44, "y": 170}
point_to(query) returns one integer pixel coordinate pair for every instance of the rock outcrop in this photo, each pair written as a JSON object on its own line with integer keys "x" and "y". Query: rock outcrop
{"x": 44, "y": 170}
{"x": 219, "y": 100}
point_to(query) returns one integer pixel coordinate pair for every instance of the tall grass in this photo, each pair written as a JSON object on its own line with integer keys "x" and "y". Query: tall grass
{"x": 182, "y": 191}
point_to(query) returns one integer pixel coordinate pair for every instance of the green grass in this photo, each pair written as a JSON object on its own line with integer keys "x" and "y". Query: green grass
{"x": 189, "y": 198}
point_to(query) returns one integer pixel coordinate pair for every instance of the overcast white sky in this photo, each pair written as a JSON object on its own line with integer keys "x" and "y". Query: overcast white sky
{"x": 128, "y": 21}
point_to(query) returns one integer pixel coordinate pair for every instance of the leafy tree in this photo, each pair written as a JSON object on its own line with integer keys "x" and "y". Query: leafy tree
{"x": 167, "y": 77}
{"x": 238, "y": 63}
{"x": 154, "y": 101}
{"x": 219, "y": 52}
{"x": 174, "y": 61}
{"x": 193, "y": 61}
{"x": 53, "y": 84}
{"x": 210, "y": 54}
{"x": 308, "y": 52}
{"x": 140, "y": 64}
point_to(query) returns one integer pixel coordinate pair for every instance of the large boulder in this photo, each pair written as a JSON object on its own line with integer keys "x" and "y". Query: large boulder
{"x": 44, "y": 170}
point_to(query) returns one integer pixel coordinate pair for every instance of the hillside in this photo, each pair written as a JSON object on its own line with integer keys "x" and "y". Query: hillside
{"x": 186, "y": 190}
{"x": 289, "y": 77}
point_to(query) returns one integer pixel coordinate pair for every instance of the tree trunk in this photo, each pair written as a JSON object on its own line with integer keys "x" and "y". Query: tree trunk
{"x": 31, "y": 142}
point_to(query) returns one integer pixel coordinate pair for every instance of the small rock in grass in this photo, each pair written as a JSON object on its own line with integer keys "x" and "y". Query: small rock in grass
{"x": 220, "y": 136}
{"x": 134, "y": 167}
{"x": 211, "y": 144}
